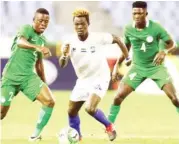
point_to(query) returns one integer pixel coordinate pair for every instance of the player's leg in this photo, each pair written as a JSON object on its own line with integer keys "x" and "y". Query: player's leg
{"x": 35, "y": 89}
{"x": 164, "y": 82}
{"x": 98, "y": 91}
{"x": 128, "y": 84}
{"x": 73, "y": 116}
{"x": 91, "y": 108}
{"x": 123, "y": 91}
{"x": 8, "y": 92}
{"x": 171, "y": 93}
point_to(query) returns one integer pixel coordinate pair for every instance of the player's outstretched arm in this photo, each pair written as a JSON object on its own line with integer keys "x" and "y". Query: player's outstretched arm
{"x": 23, "y": 43}
{"x": 63, "y": 61}
{"x": 55, "y": 48}
{"x": 40, "y": 69}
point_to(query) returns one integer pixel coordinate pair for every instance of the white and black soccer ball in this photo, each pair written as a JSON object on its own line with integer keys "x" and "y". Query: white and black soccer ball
{"x": 68, "y": 135}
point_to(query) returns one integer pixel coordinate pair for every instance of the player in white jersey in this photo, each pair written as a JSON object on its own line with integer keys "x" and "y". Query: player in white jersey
{"x": 83, "y": 48}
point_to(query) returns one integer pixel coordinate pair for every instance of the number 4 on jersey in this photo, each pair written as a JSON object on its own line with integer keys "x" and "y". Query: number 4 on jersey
{"x": 143, "y": 47}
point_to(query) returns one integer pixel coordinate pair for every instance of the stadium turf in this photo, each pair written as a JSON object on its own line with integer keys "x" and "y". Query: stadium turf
{"x": 144, "y": 119}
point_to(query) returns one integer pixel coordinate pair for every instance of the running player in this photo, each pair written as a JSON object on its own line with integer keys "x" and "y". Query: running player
{"x": 28, "y": 48}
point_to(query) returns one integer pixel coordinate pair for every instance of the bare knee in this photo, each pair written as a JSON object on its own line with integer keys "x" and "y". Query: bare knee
{"x": 175, "y": 101}
{"x": 90, "y": 110}
{"x": 72, "y": 112}
{"x": 50, "y": 103}
{"x": 4, "y": 111}
{"x": 120, "y": 96}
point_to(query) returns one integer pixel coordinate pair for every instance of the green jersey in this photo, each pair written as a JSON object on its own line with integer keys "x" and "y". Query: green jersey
{"x": 145, "y": 42}
{"x": 22, "y": 61}
{"x": 162, "y": 45}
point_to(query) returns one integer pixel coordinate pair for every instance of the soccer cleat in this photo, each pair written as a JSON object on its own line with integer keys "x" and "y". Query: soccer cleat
{"x": 35, "y": 139}
{"x": 111, "y": 132}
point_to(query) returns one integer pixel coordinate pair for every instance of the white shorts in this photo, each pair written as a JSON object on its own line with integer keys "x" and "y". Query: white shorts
{"x": 86, "y": 87}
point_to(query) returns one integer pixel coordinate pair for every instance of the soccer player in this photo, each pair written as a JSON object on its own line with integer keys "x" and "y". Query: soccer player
{"x": 143, "y": 36}
{"x": 83, "y": 48}
{"x": 28, "y": 48}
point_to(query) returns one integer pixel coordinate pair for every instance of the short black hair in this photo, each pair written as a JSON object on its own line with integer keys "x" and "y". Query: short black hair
{"x": 42, "y": 11}
{"x": 139, "y": 4}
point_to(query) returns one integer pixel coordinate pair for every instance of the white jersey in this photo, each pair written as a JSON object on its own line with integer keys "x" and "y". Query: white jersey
{"x": 86, "y": 56}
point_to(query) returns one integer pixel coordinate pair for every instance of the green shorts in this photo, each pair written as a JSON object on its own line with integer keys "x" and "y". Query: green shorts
{"x": 30, "y": 86}
{"x": 137, "y": 75}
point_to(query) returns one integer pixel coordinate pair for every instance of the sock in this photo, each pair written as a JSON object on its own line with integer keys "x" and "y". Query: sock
{"x": 99, "y": 116}
{"x": 74, "y": 122}
{"x": 178, "y": 109}
{"x": 114, "y": 110}
{"x": 44, "y": 116}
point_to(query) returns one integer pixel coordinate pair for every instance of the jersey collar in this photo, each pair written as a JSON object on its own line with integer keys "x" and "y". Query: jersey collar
{"x": 147, "y": 23}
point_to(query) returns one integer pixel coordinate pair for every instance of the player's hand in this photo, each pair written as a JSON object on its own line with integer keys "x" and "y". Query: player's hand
{"x": 159, "y": 58}
{"x": 115, "y": 74}
{"x": 128, "y": 61}
{"x": 45, "y": 51}
{"x": 66, "y": 50}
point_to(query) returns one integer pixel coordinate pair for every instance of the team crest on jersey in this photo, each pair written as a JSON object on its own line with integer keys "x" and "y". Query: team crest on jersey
{"x": 92, "y": 48}
{"x": 149, "y": 39}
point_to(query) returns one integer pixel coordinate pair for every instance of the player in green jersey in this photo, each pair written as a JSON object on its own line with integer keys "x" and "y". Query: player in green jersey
{"x": 28, "y": 48}
{"x": 147, "y": 60}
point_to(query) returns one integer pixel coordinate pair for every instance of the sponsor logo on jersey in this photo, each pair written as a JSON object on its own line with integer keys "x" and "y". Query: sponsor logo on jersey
{"x": 83, "y": 50}
{"x": 34, "y": 40}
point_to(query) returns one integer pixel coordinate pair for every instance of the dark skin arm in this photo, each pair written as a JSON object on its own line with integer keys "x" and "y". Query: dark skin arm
{"x": 40, "y": 69}
{"x": 115, "y": 74}
{"x": 23, "y": 43}
{"x": 121, "y": 45}
{"x": 55, "y": 48}
{"x": 63, "y": 61}
{"x": 122, "y": 58}
{"x": 160, "y": 56}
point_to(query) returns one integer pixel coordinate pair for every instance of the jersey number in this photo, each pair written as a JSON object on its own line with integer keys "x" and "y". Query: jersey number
{"x": 132, "y": 75}
{"x": 11, "y": 96}
{"x": 35, "y": 54}
{"x": 143, "y": 47}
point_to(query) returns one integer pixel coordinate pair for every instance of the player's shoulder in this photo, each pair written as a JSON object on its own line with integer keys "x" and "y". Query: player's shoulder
{"x": 155, "y": 23}
{"x": 99, "y": 34}
{"x": 129, "y": 26}
{"x": 26, "y": 26}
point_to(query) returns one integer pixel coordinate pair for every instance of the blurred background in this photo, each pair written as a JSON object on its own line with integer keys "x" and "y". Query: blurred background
{"x": 148, "y": 114}
{"x": 105, "y": 16}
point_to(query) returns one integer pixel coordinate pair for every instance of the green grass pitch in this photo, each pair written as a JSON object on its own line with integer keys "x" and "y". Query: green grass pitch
{"x": 144, "y": 119}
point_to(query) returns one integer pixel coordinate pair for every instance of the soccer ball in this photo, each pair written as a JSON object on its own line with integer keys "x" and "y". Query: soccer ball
{"x": 68, "y": 135}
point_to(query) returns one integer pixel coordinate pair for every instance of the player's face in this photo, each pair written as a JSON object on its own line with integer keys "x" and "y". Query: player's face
{"x": 81, "y": 25}
{"x": 41, "y": 22}
{"x": 139, "y": 15}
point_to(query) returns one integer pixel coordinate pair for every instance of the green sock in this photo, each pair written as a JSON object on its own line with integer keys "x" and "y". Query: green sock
{"x": 44, "y": 116}
{"x": 114, "y": 110}
{"x": 178, "y": 109}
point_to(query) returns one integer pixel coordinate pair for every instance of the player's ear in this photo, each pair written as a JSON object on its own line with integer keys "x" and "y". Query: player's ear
{"x": 33, "y": 18}
{"x": 146, "y": 13}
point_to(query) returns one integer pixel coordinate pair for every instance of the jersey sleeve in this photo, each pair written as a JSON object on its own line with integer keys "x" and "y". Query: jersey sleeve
{"x": 163, "y": 34}
{"x": 126, "y": 38}
{"x": 162, "y": 45}
{"x": 25, "y": 31}
{"x": 107, "y": 38}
